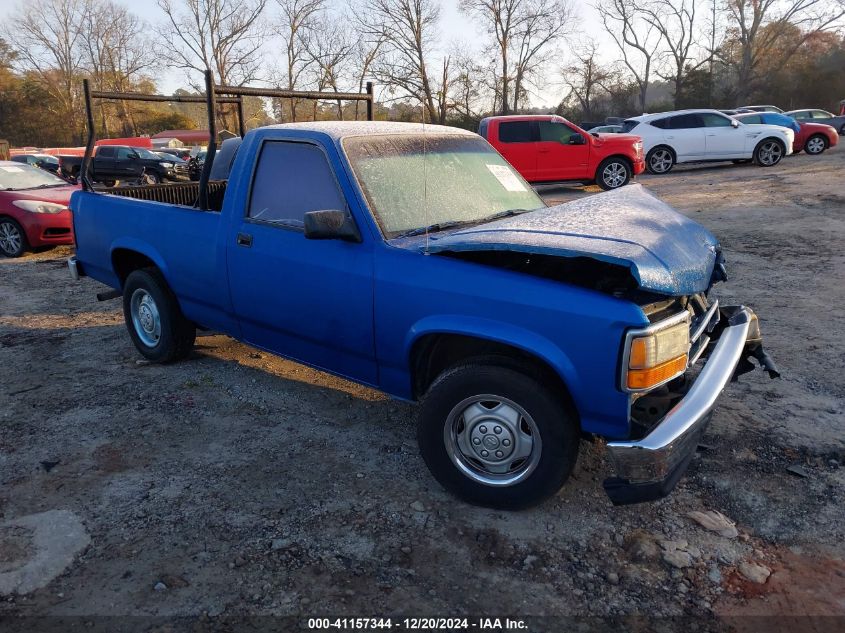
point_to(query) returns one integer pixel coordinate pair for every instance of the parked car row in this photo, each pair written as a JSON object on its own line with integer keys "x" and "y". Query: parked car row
{"x": 115, "y": 163}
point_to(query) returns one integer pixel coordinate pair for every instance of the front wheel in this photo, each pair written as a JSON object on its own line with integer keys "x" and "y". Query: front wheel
{"x": 769, "y": 152}
{"x": 815, "y": 145}
{"x": 660, "y": 160}
{"x": 613, "y": 173}
{"x": 496, "y": 437}
{"x": 154, "y": 319}
{"x": 12, "y": 238}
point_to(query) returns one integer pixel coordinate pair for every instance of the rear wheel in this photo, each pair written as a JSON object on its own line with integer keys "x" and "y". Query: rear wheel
{"x": 497, "y": 437}
{"x": 816, "y": 144}
{"x": 154, "y": 319}
{"x": 613, "y": 173}
{"x": 769, "y": 152}
{"x": 12, "y": 238}
{"x": 660, "y": 160}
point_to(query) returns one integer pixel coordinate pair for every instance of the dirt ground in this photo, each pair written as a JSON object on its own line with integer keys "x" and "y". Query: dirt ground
{"x": 237, "y": 483}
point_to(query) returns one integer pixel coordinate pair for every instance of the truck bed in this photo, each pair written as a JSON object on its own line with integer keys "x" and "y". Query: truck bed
{"x": 180, "y": 193}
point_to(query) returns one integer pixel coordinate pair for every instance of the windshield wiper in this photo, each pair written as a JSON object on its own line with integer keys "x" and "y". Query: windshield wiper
{"x": 439, "y": 226}
{"x": 433, "y": 228}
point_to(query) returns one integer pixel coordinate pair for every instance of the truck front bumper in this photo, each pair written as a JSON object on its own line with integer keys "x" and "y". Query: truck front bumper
{"x": 650, "y": 468}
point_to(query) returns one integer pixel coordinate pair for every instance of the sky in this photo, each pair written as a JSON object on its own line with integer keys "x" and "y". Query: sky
{"x": 455, "y": 27}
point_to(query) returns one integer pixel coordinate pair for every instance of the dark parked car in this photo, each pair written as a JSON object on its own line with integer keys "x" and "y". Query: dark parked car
{"x": 113, "y": 163}
{"x": 182, "y": 152}
{"x": 820, "y": 116}
{"x": 44, "y": 161}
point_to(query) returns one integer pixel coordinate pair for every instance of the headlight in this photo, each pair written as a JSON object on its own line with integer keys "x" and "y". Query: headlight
{"x": 657, "y": 354}
{"x": 167, "y": 165}
{"x": 39, "y": 206}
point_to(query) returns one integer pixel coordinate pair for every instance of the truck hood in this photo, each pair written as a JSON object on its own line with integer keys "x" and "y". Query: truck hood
{"x": 616, "y": 139}
{"x": 666, "y": 252}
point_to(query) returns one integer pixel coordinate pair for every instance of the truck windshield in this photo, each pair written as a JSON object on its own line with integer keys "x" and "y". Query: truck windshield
{"x": 15, "y": 176}
{"x": 413, "y": 182}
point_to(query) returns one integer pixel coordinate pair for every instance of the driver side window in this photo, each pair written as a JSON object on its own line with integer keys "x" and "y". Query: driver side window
{"x": 556, "y": 132}
{"x": 291, "y": 179}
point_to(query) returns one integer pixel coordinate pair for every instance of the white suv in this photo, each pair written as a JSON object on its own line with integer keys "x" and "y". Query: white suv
{"x": 690, "y": 136}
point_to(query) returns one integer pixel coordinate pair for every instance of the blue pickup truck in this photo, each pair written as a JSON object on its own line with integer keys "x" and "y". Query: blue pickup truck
{"x": 415, "y": 260}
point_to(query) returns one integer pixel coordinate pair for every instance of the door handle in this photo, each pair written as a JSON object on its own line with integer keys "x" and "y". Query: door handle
{"x": 244, "y": 239}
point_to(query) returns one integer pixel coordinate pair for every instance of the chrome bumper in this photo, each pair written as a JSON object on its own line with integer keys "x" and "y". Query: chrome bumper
{"x": 650, "y": 468}
{"x": 74, "y": 268}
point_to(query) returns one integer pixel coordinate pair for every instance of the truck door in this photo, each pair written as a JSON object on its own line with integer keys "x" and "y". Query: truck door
{"x": 516, "y": 144}
{"x": 309, "y": 300}
{"x": 128, "y": 163}
{"x": 563, "y": 152}
{"x": 103, "y": 162}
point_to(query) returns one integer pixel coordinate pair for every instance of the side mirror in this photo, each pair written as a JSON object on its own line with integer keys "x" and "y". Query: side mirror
{"x": 734, "y": 123}
{"x": 331, "y": 224}
{"x": 577, "y": 139}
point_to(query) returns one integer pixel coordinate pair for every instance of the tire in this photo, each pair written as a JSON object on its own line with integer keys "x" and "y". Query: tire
{"x": 109, "y": 183}
{"x": 769, "y": 152}
{"x": 154, "y": 319}
{"x": 660, "y": 160}
{"x": 529, "y": 417}
{"x": 815, "y": 145}
{"x": 151, "y": 178}
{"x": 613, "y": 172}
{"x": 12, "y": 238}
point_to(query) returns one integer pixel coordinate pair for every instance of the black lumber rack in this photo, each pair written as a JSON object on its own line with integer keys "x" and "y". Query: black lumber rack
{"x": 214, "y": 94}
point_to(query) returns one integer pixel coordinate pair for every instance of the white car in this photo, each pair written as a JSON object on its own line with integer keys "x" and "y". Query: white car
{"x": 691, "y": 136}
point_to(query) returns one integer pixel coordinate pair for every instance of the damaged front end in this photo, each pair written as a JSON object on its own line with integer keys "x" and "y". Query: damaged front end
{"x": 668, "y": 420}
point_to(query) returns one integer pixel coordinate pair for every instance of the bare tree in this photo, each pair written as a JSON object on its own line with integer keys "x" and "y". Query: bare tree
{"x": 47, "y": 36}
{"x": 675, "y": 21}
{"x": 586, "y": 77}
{"x": 219, "y": 35}
{"x": 522, "y": 33}
{"x": 544, "y": 23}
{"x": 365, "y": 57}
{"x": 298, "y": 17}
{"x": 635, "y": 37}
{"x": 408, "y": 30}
{"x": 760, "y": 25}
{"x": 117, "y": 54}
{"x": 330, "y": 47}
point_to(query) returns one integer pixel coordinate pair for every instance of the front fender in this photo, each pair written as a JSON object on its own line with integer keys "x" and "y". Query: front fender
{"x": 499, "y": 332}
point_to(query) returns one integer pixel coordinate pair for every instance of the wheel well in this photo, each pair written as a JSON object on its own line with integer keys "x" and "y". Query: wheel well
{"x": 770, "y": 138}
{"x": 823, "y": 137}
{"x": 664, "y": 146}
{"x": 621, "y": 157}
{"x": 435, "y": 353}
{"x": 125, "y": 261}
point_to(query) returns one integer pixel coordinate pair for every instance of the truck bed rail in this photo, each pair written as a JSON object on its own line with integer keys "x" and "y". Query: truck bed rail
{"x": 179, "y": 193}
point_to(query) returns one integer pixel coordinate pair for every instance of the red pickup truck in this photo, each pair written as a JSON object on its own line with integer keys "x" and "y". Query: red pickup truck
{"x": 547, "y": 148}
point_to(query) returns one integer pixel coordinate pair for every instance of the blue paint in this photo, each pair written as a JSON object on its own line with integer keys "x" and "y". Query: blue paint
{"x": 359, "y": 309}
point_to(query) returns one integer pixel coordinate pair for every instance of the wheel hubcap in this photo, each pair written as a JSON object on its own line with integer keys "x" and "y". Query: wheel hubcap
{"x": 770, "y": 153}
{"x": 492, "y": 440}
{"x": 661, "y": 161}
{"x": 815, "y": 145}
{"x": 10, "y": 238}
{"x": 614, "y": 175}
{"x": 145, "y": 317}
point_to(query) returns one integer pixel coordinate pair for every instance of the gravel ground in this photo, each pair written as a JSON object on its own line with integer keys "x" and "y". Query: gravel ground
{"x": 238, "y": 483}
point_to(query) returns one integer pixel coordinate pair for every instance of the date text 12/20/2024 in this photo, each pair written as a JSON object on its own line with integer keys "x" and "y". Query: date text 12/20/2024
{"x": 418, "y": 624}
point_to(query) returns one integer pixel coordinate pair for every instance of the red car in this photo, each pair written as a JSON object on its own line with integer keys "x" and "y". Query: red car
{"x": 813, "y": 138}
{"x": 550, "y": 149}
{"x": 33, "y": 209}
